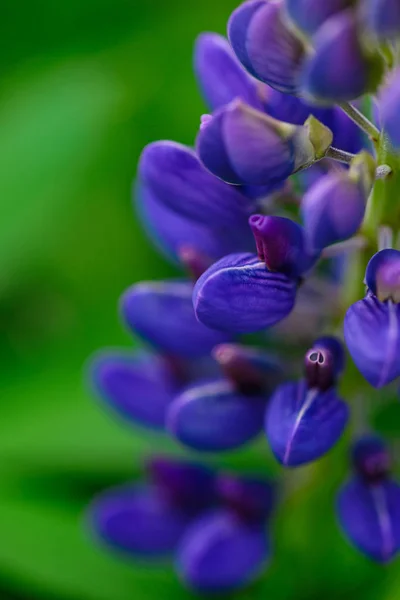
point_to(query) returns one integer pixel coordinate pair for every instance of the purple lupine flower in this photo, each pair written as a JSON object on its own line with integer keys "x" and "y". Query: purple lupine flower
{"x": 213, "y": 416}
{"x": 238, "y": 294}
{"x": 333, "y": 208}
{"x": 306, "y": 418}
{"x": 225, "y": 413}
{"x": 372, "y": 325}
{"x": 220, "y": 75}
{"x": 389, "y": 100}
{"x": 382, "y": 18}
{"x": 172, "y": 231}
{"x": 227, "y": 548}
{"x": 220, "y": 554}
{"x": 174, "y": 174}
{"x": 138, "y": 520}
{"x": 162, "y": 314}
{"x": 340, "y": 69}
{"x": 139, "y": 387}
{"x": 309, "y": 15}
{"x": 265, "y": 45}
{"x": 241, "y": 293}
{"x": 243, "y": 146}
{"x": 149, "y": 519}
{"x": 368, "y": 505}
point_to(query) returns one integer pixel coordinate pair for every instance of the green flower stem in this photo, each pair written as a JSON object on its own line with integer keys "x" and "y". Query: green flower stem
{"x": 361, "y": 120}
{"x": 383, "y": 206}
{"x": 339, "y": 155}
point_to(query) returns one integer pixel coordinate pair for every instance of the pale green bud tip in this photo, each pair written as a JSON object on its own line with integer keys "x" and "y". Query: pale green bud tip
{"x": 362, "y": 170}
{"x": 320, "y": 136}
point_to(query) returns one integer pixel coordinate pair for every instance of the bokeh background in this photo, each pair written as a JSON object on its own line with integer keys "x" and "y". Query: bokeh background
{"x": 85, "y": 84}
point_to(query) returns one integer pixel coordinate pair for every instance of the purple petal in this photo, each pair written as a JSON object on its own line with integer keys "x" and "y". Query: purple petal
{"x": 383, "y": 18}
{"x": 220, "y": 554}
{"x": 280, "y": 244}
{"x": 240, "y": 295}
{"x": 237, "y": 30}
{"x": 138, "y": 387}
{"x": 274, "y": 52}
{"x": 389, "y": 102}
{"x": 332, "y": 210}
{"x": 220, "y": 75}
{"x": 251, "y": 499}
{"x": 187, "y": 484}
{"x": 302, "y": 424}
{"x": 257, "y": 152}
{"x": 213, "y": 151}
{"x": 372, "y": 334}
{"x": 243, "y": 146}
{"x": 162, "y": 313}
{"x": 213, "y": 417}
{"x": 309, "y": 15}
{"x": 175, "y": 175}
{"x": 138, "y": 520}
{"x": 370, "y": 517}
{"x": 338, "y": 71}
{"x": 382, "y": 275}
{"x": 172, "y": 231}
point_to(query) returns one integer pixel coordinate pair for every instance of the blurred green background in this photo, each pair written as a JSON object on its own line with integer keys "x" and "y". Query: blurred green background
{"x": 85, "y": 85}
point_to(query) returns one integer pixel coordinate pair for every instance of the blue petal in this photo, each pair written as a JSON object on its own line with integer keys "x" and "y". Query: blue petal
{"x": 309, "y": 15}
{"x": 372, "y": 334}
{"x": 178, "y": 179}
{"x": 389, "y": 102}
{"x": 243, "y": 146}
{"x": 338, "y": 71}
{"x": 383, "y": 18}
{"x": 237, "y": 30}
{"x": 220, "y": 75}
{"x": 370, "y": 517}
{"x": 220, "y": 554}
{"x": 332, "y": 210}
{"x": 172, "y": 231}
{"x": 274, "y": 52}
{"x": 257, "y": 152}
{"x": 212, "y": 149}
{"x": 281, "y": 245}
{"x": 162, "y": 313}
{"x": 212, "y": 417}
{"x": 302, "y": 424}
{"x": 385, "y": 260}
{"x": 139, "y": 387}
{"x": 138, "y": 520}
{"x": 240, "y": 295}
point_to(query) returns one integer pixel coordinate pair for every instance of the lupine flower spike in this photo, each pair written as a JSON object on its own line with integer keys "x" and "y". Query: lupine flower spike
{"x": 271, "y": 218}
